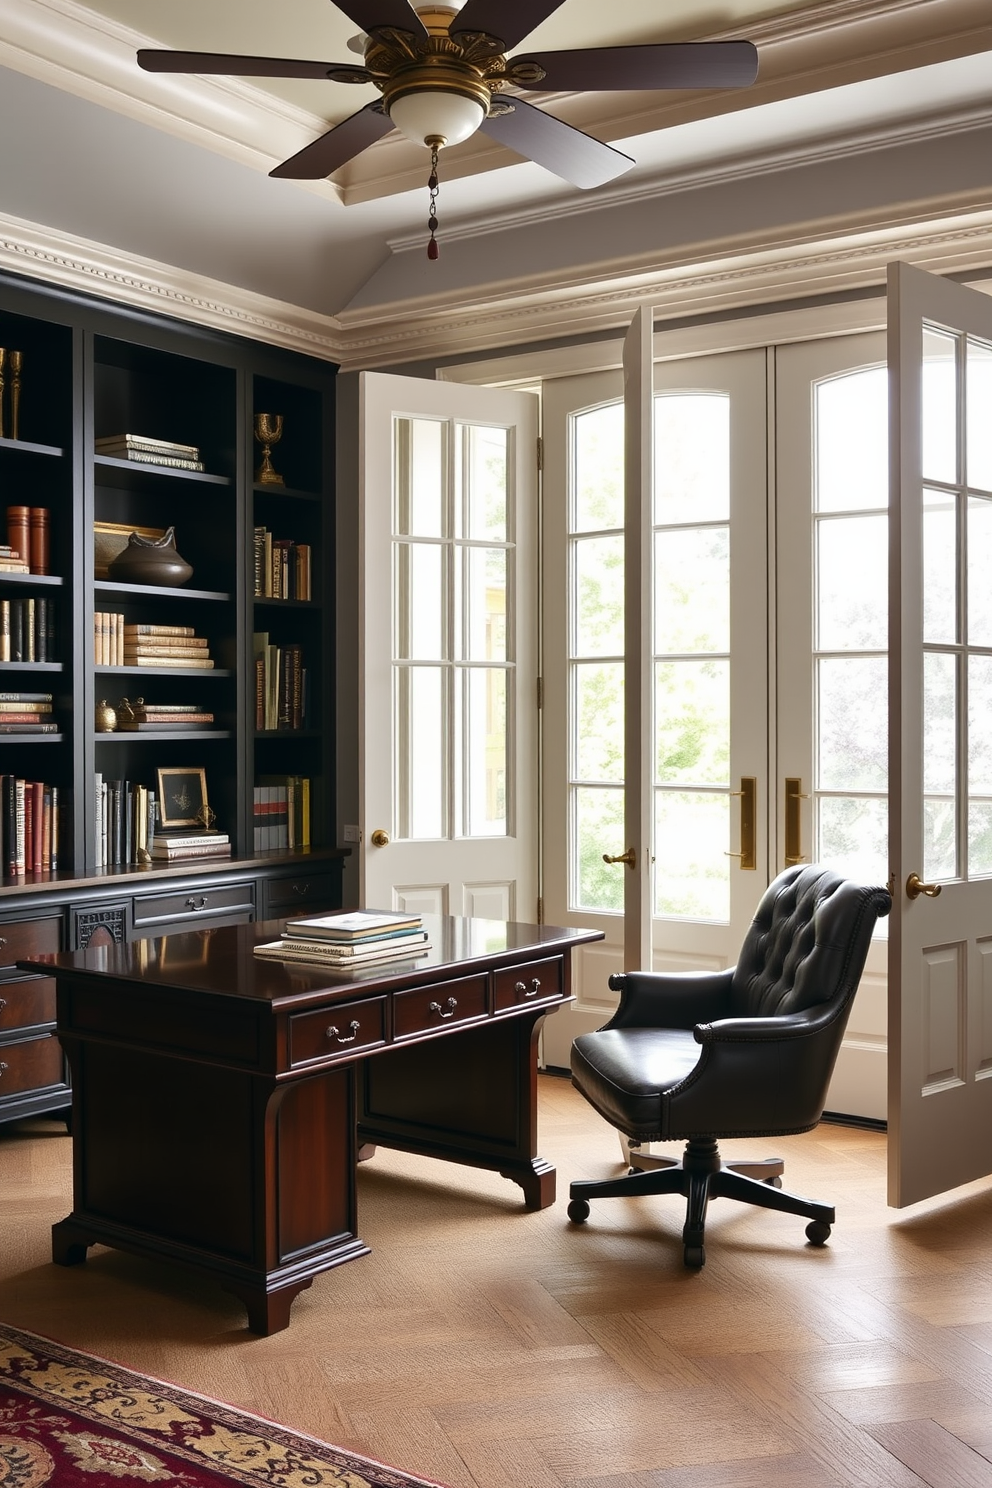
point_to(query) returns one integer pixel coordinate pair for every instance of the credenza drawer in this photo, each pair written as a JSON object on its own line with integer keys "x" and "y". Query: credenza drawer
{"x": 27, "y": 1004}
{"x": 22, "y": 939}
{"x": 341, "y": 1029}
{"x": 427, "y": 1009}
{"x": 159, "y": 909}
{"x": 304, "y": 893}
{"x": 538, "y": 981}
{"x": 31, "y": 1065}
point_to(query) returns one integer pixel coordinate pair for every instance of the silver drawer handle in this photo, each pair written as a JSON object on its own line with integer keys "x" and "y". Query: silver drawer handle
{"x": 192, "y": 904}
{"x": 451, "y": 1004}
{"x": 2, "y": 1066}
{"x": 301, "y": 889}
{"x": 522, "y": 990}
{"x": 3, "y": 941}
{"x": 335, "y": 1033}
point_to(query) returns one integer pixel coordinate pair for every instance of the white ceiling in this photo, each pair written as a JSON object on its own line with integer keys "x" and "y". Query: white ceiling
{"x": 174, "y": 170}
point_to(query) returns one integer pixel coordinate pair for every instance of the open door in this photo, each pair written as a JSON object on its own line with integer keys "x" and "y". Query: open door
{"x": 940, "y": 706}
{"x": 448, "y": 648}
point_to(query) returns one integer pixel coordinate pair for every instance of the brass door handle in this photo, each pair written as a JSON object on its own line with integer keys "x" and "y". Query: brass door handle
{"x": 380, "y": 838}
{"x": 915, "y": 887}
{"x": 793, "y": 821}
{"x": 629, "y": 857}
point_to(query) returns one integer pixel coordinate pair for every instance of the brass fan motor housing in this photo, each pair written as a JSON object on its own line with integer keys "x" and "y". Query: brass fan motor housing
{"x": 472, "y": 65}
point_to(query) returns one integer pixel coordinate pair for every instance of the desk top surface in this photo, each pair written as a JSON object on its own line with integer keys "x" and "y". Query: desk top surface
{"x": 222, "y": 962}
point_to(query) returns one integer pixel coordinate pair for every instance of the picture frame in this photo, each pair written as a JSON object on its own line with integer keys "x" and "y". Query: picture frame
{"x": 182, "y": 797}
{"x": 110, "y": 538}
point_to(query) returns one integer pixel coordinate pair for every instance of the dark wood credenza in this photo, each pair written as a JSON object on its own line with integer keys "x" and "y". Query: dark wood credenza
{"x": 221, "y": 1102}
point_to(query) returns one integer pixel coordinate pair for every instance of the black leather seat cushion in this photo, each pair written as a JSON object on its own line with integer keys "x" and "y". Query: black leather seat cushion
{"x": 625, "y": 1072}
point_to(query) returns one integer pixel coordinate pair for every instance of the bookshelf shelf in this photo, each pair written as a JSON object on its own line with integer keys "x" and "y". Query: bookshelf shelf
{"x": 30, "y": 666}
{"x": 28, "y": 447}
{"x": 160, "y": 736}
{"x": 156, "y": 592}
{"x": 33, "y": 580}
{"x": 113, "y": 469}
{"x": 152, "y": 671}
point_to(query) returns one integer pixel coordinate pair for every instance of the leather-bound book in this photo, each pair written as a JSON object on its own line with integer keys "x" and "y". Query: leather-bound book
{"x": 38, "y": 539}
{"x": 18, "y": 531}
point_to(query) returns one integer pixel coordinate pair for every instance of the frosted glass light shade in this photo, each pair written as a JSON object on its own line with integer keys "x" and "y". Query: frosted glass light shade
{"x": 452, "y": 116}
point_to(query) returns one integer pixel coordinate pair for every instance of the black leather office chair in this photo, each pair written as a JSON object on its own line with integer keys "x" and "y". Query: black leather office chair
{"x": 746, "y": 1052}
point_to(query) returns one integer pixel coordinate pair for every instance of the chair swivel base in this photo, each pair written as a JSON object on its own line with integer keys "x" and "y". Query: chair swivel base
{"x": 702, "y": 1175}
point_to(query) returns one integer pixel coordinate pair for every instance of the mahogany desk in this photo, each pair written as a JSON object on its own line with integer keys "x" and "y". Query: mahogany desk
{"x": 221, "y": 1102}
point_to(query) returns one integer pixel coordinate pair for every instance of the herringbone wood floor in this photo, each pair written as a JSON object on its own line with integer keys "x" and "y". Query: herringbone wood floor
{"x": 487, "y": 1346}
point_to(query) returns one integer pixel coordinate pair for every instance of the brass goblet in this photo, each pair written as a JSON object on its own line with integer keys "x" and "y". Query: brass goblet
{"x": 268, "y": 431}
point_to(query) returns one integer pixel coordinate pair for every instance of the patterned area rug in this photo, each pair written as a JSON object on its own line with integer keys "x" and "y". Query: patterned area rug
{"x": 73, "y": 1421}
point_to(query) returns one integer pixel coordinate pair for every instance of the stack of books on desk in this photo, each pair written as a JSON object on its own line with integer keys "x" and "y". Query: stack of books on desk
{"x": 349, "y": 941}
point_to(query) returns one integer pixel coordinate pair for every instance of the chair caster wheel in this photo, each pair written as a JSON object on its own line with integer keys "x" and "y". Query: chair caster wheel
{"x": 773, "y": 1182}
{"x": 695, "y": 1257}
{"x": 578, "y": 1211}
{"x": 817, "y": 1232}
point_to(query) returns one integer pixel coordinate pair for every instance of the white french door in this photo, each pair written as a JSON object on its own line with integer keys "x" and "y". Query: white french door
{"x": 695, "y": 569}
{"x": 448, "y": 649}
{"x": 940, "y": 1003}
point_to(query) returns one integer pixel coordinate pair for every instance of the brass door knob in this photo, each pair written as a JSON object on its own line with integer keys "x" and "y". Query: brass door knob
{"x": 629, "y": 857}
{"x": 380, "y": 838}
{"x": 915, "y": 887}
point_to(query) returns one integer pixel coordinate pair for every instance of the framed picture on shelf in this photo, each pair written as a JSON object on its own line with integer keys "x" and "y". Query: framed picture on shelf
{"x": 182, "y": 795}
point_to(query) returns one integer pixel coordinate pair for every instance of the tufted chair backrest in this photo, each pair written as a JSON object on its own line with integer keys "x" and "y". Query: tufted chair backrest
{"x": 807, "y": 943}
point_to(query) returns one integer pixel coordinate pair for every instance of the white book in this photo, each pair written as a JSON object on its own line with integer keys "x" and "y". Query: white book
{"x": 285, "y": 950}
{"x": 353, "y": 924}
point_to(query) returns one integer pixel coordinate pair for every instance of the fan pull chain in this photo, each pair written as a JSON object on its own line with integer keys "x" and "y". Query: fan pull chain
{"x": 432, "y": 248}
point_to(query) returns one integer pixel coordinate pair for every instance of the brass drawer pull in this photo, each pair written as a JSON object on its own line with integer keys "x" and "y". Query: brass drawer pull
{"x": 191, "y": 903}
{"x": 3, "y": 1003}
{"x": 3, "y": 941}
{"x": 2, "y": 1066}
{"x": 522, "y": 989}
{"x": 335, "y": 1033}
{"x": 451, "y": 1004}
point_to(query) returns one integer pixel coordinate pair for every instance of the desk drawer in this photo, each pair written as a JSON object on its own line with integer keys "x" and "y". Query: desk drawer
{"x": 22, "y": 939}
{"x": 31, "y": 1065}
{"x": 428, "y": 1009}
{"x": 27, "y": 1004}
{"x": 538, "y": 981}
{"x": 159, "y": 909}
{"x": 342, "y": 1028}
{"x": 304, "y": 893}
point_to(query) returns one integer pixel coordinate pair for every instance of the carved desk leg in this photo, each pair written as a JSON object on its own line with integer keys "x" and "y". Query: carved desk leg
{"x": 538, "y": 1181}
{"x": 70, "y": 1242}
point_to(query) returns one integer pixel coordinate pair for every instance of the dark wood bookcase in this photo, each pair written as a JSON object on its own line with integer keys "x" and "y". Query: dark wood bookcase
{"x": 91, "y": 370}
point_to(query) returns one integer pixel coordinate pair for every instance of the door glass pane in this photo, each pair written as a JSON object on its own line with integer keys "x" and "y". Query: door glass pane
{"x": 597, "y": 475}
{"x": 481, "y": 488}
{"x": 940, "y": 848}
{"x": 979, "y": 410}
{"x": 851, "y": 452}
{"x": 420, "y": 594}
{"x": 692, "y": 590}
{"x": 486, "y": 751}
{"x": 484, "y": 598}
{"x": 598, "y": 712}
{"x": 598, "y": 590}
{"x": 692, "y": 457}
{"x": 852, "y": 583}
{"x": 691, "y": 844}
{"x": 980, "y": 569}
{"x": 421, "y": 786}
{"x": 598, "y": 828}
{"x": 853, "y": 723}
{"x": 940, "y": 425}
{"x": 853, "y": 833}
{"x": 420, "y": 476}
{"x": 979, "y": 765}
{"x": 940, "y": 548}
{"x": 692, "y": 722}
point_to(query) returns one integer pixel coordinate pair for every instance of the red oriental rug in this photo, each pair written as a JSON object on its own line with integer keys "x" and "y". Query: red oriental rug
{"x": 73, "y": 1421}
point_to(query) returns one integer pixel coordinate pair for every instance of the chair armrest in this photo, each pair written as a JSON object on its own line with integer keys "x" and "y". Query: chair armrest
{"x": 764, "y": 1030}
{"x": 660, "y": 999}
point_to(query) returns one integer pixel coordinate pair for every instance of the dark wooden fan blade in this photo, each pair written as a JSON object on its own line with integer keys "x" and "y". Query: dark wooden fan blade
{"x": 232, "y": 66}
{"x": 336, "y": 147}
{"x": 508, "y": 20}
{"x": 569, "y": 153}
{"x": 371, "y": 15}
{"x": 691, "y": 64}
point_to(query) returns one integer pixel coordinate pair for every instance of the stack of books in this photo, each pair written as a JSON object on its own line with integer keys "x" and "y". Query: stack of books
{"x": 175, "y": 847}
{"x": 142, "y": 717}
{"x": 144, "y": 450}
{"x": 124, "y": 821}
{"x": 11, "y": 560}
{"x": 347, "y": 942}
{"x": 26, "y": 713}
{"x": 117, "y": 643}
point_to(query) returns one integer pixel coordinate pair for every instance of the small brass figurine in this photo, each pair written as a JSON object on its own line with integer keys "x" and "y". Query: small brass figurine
{"x": 106, "y": 718}
{"x": 268, "y": 431}
{"x": 16, "y": 358}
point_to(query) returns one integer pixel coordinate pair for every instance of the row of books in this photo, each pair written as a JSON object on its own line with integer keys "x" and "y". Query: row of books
{"x": 141, "y": 717}
{"x": 143, "y": 450}
{"x": 282, "y": 685}
{"x": 27, "y": 547}
{"x": 282, "y": 567}
{"x": 117, "y": 643}
{"x": 125, "y": 821}
{"x": 281, "y": 813}
{"x": 347, "y": 942}
{"x": 29, "y": 825}
{"x": 27, "y": 713}
{"x": 27, "y": 629}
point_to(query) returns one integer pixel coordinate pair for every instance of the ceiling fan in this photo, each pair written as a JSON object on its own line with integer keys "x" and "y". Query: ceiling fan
{"x": 441, "y": 71}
